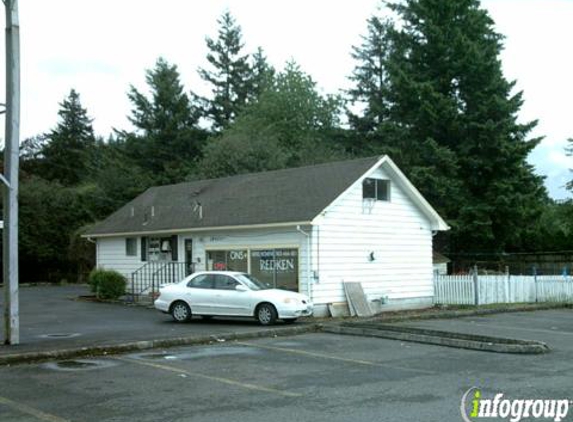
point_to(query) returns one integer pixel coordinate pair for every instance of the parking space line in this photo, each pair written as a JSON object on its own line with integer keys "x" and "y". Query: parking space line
{"x": 338, "y": 358}
{"x": 211, "y": 378}
{"x": 23, "y": 408}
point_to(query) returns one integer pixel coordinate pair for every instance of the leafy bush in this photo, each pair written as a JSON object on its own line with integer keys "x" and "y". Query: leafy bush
{"x": 107, "y": 284}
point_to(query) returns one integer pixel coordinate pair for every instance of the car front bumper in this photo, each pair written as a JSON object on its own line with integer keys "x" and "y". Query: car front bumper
{"x": 296, "y": 311}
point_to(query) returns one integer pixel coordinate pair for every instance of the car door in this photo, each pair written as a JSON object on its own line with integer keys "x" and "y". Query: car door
{"x": 230, "y": 301}
{"x": 200, "y": 294}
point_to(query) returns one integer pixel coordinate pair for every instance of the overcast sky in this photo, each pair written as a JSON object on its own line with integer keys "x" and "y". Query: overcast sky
{"x": 100, "y": 47}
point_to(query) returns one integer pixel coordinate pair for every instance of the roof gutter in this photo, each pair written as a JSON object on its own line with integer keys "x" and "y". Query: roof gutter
{"x": 197, "y": 229}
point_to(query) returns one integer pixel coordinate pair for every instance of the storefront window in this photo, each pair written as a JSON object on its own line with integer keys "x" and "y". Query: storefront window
{"x": 277, "y": 267}
{"x": 159, "y": 249}
{"x": 233, "y": 260}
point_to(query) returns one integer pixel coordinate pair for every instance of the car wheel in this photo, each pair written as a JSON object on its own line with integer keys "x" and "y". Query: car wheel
{"x": 266, "y": 314}
{"x": 289, "y": 320}
{"x": 180, "y": 311}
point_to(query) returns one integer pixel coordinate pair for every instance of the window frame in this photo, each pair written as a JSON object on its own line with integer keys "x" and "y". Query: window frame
{"x": 218, "y": 282}
{"x": 249, "y": 249}
{"x": 131, "y": 246}
{"x": 209, "y": 277}
{"x": 377, "y": 192}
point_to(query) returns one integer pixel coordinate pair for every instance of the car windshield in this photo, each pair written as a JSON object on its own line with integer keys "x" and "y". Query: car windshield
{"x": 252, "y": 283}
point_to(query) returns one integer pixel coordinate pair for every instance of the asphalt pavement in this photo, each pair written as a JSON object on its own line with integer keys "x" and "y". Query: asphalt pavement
{"x": 311, "y": 377}
{"x": 554, "y": 326}
{"x": 55, "y": 318}
{"x": 261, "y": 377}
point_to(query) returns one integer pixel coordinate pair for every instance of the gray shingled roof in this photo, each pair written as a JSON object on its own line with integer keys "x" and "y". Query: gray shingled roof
{"x": 280, "y": 196}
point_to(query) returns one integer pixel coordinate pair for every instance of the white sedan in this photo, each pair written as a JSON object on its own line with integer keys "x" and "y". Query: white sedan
{"x": 226, "y": 293}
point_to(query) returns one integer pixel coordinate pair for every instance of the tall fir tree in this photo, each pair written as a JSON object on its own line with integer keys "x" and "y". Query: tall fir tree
{"x": 66, "y": 148}
{"x": 456, "y": 118}
{"x": 375, "y": 128}
{"x": 231, "y": 77}
{"x": 168, "y": 140}
{"x": 370, "y": 93}
{"x": 262, "y": 76}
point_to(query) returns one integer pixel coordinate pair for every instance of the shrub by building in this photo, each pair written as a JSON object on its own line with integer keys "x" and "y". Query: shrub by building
{"x": 107, "y": 284}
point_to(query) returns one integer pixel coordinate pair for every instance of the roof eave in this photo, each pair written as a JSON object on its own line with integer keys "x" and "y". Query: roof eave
{"x": 436, "y": 221}
{"x": 197, "y": 229}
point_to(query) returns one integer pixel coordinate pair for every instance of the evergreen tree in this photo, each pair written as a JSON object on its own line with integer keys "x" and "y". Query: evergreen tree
{"x": 375, "y": 127}
{"x": 371, "y": 78}
{"x": 451, "y": 73}
{"x": 49, "y": 214}
{"x": 114, "y": 178}
{"x": 167, "y": 141}
{"x": 262, "y": 75}
{"x": 67, "y": 147}
{"x": 31, "y": 156}
{"x": 231, "y": 75}
{"x": 553, "y": 230}
{"x": 455, "y": 120}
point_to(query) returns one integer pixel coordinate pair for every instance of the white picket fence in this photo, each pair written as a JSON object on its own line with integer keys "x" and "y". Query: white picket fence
{"x": 461, "y": 289}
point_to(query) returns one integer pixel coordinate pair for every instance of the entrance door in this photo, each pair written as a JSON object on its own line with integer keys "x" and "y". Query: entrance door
{"x": 188, "y": 257}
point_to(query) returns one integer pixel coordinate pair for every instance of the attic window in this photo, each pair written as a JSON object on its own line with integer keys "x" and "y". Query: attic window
{"x": 378, "y": 189}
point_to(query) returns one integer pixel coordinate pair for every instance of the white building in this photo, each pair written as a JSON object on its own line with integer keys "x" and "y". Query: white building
{"x": 305, "y": 229}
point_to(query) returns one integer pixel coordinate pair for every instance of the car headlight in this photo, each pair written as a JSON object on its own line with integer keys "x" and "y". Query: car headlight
{"x": 290, "y": 300}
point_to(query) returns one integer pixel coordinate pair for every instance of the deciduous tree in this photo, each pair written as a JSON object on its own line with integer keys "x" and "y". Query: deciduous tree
{"x": 291, "y": 124}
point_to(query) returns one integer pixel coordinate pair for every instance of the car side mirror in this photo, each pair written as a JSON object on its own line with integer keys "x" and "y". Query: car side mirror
{"x": 240, "y": 288}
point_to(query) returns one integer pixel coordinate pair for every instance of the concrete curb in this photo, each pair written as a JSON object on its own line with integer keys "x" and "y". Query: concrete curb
{"x": 133, "y": 346}
{"x": 460, "y": 313}
{"x": 440, "y": 338}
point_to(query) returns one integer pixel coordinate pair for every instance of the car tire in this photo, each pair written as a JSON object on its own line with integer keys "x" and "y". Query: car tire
{"x": 289, "y": 320}
{"x": 180, "y": 311}
{"x": 266, "y": 314}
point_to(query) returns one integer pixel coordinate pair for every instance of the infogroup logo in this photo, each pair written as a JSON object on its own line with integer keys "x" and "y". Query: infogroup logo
{"x": 474, "y": 407}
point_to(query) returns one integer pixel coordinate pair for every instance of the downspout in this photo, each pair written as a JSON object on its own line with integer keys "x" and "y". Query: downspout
{"x": 308, "y": 267}
{"x": 317, "y": 267}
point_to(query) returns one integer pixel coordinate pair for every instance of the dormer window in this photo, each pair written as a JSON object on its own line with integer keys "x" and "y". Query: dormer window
{"x": 378, "y": 189}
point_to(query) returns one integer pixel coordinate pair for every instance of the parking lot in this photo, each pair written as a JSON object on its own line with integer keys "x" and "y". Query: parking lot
{"x": 54, "y": 317}
{"x": 318, "y": 377}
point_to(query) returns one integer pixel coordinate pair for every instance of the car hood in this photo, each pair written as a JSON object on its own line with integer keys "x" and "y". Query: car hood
{"x": 282, "y": 294}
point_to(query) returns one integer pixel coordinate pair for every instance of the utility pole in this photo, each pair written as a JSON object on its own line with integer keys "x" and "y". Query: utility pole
{"x": 10, "y": 177}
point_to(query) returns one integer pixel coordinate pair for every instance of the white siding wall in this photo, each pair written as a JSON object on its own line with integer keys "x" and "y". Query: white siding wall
{"x": 110, "y": 252}
{"x": 111, "y": 255}
{"x": 396, "y": 231}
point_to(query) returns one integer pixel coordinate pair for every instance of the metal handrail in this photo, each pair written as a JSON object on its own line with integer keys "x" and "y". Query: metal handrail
{"x": 151, "y": 275}
{"x": 176, "y": 270}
